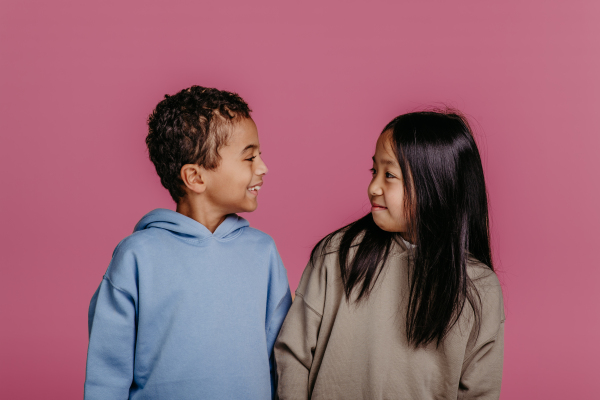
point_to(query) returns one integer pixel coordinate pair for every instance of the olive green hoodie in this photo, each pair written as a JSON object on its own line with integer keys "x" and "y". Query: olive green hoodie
{"x": 329, "y": 348}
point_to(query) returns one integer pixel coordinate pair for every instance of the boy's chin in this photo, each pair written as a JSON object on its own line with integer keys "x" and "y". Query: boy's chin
{"x": 248, "y": 208}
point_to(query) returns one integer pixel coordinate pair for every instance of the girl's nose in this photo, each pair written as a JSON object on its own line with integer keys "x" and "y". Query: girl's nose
{"x": 374, "y": 189}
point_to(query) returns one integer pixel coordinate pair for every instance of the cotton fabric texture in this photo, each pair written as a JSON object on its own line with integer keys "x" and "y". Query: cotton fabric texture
{"x": 331, "y": 349}
{"x": 183, "y": 313}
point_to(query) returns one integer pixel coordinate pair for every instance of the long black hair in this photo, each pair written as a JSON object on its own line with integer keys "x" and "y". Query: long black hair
{"x": 446, "y": 202}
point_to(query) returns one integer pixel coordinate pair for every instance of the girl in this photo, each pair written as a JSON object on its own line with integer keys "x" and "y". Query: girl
{"x": 404, "y": 302}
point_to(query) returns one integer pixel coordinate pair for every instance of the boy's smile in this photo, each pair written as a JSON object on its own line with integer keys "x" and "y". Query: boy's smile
{"x": 233, "y": 187}
{"x": 254, "y": 189}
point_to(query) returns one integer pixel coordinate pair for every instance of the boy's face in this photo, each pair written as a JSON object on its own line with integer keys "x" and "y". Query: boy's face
{"x": 233, "y": 187}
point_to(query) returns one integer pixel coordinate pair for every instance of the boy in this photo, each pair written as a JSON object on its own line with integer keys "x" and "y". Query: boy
{"x": 192, "y": 301}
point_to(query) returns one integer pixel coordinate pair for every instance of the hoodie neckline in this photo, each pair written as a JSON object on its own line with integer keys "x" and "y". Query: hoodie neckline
{"x": 189, "y": 229}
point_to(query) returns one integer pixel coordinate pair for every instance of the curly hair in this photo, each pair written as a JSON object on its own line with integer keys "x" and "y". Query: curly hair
{"x": 189, "y": 128}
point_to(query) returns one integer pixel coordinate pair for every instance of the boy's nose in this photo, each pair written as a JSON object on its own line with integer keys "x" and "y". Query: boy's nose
{"x": 262, "y": 168}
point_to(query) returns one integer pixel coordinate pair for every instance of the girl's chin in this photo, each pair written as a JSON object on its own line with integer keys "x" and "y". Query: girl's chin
{"x": 383, "y": 227}
{"x": 387, "y": 226}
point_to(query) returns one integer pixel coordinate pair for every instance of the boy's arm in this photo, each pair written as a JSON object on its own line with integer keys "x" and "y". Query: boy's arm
{"x": 112, "y": 330}
{"x": 279, "y": 301}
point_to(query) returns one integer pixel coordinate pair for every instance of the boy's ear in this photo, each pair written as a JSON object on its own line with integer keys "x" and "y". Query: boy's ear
{"x": 192, "y": 177}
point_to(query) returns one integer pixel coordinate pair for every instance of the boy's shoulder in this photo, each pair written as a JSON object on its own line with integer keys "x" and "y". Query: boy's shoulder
{"x": 138, "y": 241}
{"x": 256, "y": 239}
{"x": 134, "y": 251}
{"x": 257, "y": 234}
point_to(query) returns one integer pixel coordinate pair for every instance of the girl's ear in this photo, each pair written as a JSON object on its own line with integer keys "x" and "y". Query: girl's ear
{"x": 192, "y": 177}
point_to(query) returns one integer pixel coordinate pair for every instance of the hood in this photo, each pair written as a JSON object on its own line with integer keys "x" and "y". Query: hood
{"x": 188, "y": 228}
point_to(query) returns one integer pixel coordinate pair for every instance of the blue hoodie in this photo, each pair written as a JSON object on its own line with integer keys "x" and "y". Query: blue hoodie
{"x": 185, "y": 314}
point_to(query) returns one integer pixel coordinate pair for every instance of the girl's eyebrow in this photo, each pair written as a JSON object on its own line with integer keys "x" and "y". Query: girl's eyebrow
{"x": 385, "y": 161}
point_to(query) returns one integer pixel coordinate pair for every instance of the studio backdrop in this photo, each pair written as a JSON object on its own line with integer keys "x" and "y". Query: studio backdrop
{"x": 78, "y": 80}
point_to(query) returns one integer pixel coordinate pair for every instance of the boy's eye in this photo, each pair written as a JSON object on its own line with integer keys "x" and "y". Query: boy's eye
{"x": 251, "y": 158}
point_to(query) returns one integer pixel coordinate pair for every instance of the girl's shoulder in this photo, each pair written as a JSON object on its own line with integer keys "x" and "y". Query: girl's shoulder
{"x": 480, "y": 274}
{"x": 488, "y": 291}
{"x": 322, "y": 269}
{"x": 330, "y": 244}
{"x": 327, "y": 249}
{"x": 325, "y": 254}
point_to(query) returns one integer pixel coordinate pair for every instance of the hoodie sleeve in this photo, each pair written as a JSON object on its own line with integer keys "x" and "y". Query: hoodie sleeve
{"x": 481, "y": 376}
{"x": 297, "y": 341}
{"x": 112, "y": 331}
{"x": 279, "y": 301}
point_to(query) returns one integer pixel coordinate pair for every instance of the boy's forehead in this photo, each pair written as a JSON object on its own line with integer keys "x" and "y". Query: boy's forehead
{"x": 244, "y": 135}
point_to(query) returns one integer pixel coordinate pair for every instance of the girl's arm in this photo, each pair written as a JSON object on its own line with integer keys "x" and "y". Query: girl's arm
{"x": 482, "y": 374}
{"x": 297, "y": 340}
{"x": 482, "y": 369}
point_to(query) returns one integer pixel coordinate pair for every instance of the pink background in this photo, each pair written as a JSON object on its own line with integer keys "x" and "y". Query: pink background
{"x": 78, "y": 81}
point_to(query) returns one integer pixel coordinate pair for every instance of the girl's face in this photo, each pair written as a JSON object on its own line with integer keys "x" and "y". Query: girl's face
{"x": 386, "y": 191}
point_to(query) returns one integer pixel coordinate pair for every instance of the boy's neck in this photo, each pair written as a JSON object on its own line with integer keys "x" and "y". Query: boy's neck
{"x": 210, "y": 218}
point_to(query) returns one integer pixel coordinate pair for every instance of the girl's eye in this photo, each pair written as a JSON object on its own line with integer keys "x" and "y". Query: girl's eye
{"x": 373, "y": 171}
{"x": 388, "y": 175}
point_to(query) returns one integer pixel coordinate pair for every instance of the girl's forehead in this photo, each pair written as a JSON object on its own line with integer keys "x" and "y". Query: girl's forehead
{"x": 384, "y": 148}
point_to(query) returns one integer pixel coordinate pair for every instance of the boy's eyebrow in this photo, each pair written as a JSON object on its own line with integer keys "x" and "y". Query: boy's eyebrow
{"x": 250, "y": 146}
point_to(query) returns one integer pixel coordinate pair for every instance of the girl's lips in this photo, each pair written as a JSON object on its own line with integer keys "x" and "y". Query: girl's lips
{"x": 377, "y": 207}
